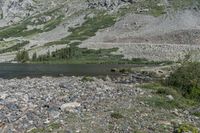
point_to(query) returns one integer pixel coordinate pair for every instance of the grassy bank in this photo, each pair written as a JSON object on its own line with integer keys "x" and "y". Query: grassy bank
{"x": 75, "y": 55}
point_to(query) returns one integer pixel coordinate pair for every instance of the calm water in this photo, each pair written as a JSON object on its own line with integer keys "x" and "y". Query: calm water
{"x": 35, "y": 70}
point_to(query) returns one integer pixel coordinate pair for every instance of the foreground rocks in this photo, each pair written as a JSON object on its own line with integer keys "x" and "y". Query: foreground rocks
{"x": 69, "y": 104}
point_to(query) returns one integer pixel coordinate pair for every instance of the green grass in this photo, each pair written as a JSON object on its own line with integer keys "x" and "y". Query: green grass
{"x": 49, "y": 128}
{"x": 186, "y": 78}
{"x": 180, "y": 4}
{"x": 159, "y": 99}
{"x": 182, "y": 128}
{"x": 75, "y": 55}
{"x": 197, "y": 114}
{"x": 151, "y": 86}
{"x": 87, "y": 79}
{"x": 53, "y": 23}
{"x": 20, "y": 29}
{"x": 151, "y": 5}
{"x": 16, "y": 47}
{"x": 161, "y": 102}
{"x": 154, "y": 9}
{"x": 116, "y": 115}
{"x": 6, "y": 44}
{"x": 87, "y": 29}
{"x": 157, "y": 11}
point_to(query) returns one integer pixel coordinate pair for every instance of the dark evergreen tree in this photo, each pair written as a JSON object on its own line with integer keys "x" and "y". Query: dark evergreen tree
{"x": 22, "y": 56}
{"x": 34, "y": 57}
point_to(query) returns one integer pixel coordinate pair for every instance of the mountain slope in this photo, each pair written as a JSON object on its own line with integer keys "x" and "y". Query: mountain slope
{"x": 159, "y": 30}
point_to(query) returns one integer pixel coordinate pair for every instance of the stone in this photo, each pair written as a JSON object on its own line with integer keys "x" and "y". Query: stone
{"x": 12, "y": 106}
{"x": 3, "y": 95}
{"x": 186, "y": 112}
{"x": 70, "y": 106}
{"x": 170, "y": 97}
{"x": 3, "y": 127}
{"x": 54, "y": 114}
{"x": 175, "y": 111}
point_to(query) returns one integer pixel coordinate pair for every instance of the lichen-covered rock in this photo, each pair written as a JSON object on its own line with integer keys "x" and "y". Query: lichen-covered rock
{"x": 17, "y": 8}
{"x": 108, "y": 4}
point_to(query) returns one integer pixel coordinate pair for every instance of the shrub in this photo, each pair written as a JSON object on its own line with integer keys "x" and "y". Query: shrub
{"x": 187, "y": 79}
{"x": 186, "y": 128}
{"x": 116, "y": 115}
{"x": 197, "y": 114}
{"x": 167, "y": 91}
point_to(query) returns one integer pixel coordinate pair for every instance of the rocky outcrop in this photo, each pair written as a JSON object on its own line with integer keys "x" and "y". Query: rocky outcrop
{"x": 108, "y": 4}
{"x": 16, "y": 9}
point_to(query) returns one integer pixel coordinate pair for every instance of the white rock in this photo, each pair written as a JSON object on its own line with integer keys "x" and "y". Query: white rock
{"x": 3, "y": 95}
{"x": 170, "y": 97}
{"x": 70, "y": 106}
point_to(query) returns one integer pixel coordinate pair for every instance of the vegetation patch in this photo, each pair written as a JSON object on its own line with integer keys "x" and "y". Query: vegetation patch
{"x": 151, "y": 86}
{"x": 183, "y": 128}
{"x": 187, "y": 79}
{"x": 87, "y": 79}
{"x": 180, "y": 4}
{"x": 160, "y": 100}
{"x": 87, "y": 29}
{"x": 197, "y": 114}
{"x": 53, "y": 23}
{"x": 152, "y": 7}
{"x": 16, "y": 47}
{"x": 167, "y": 91}
{"x": 7, "y": 44}
{"x": 116, "y": 115}
{"x": 149, "y": 7}
{"x": 21, "y": 29}
{"x": 22, "y": 56}
{"x": 76, "y": 55}
{"x": 49, "y": 128}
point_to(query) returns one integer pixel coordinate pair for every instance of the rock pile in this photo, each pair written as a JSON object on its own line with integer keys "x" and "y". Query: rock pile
{"x": 108, "y": 4}
{"x": 69, "y": 104}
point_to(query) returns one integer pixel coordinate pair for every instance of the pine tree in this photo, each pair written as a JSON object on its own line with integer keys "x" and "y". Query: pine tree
{"x": 22, "y": 56}
{"x": 48, "y": 54}
{"x": 34, "y": 57}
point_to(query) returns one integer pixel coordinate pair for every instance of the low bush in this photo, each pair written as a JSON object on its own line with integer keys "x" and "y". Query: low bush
{"x": 187, "y": 79}
{"x": 116, "y": 115}
{"x": 183, "y": 128}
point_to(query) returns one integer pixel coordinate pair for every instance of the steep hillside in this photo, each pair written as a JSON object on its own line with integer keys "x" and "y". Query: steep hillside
{"x": 158, "y": 30}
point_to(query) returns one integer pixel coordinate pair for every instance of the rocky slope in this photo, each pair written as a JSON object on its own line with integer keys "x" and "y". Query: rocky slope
{"x": 72, "y": 104}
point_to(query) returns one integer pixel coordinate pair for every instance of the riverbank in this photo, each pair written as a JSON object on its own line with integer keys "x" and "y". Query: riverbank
{"x": 87, "y": 104}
